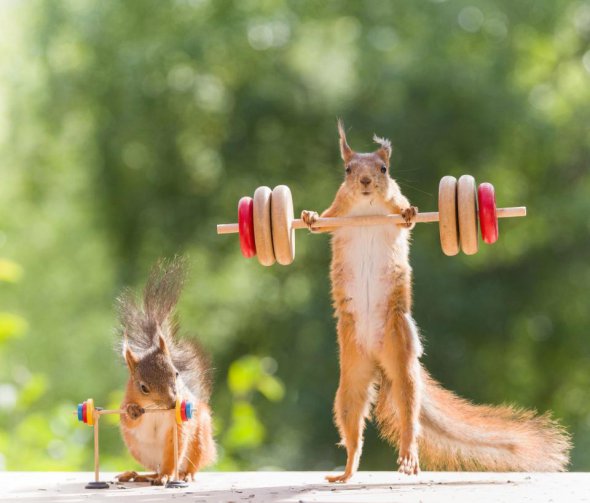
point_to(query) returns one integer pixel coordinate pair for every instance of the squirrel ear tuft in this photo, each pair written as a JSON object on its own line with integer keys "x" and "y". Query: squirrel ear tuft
{"x": 345, "y": 151}
{"x": 385, "y": 151}
{"x": 162, "y": 344}
{"x": 130, "y": 358}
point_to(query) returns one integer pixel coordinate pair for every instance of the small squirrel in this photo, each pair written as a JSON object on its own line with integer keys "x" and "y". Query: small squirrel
{"x": 162, "y": 369}
{"x": 380, "y": 348}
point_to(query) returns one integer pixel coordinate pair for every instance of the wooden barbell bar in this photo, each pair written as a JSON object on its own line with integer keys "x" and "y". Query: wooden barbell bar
{"x": 370, "y": 220}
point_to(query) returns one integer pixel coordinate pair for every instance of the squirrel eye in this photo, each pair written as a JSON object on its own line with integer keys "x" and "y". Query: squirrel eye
{"x": 348, "y": 170}
{"x": 384, "y": 169}
{"x": 144, "y": 389}
{"x": 177, "y": 374}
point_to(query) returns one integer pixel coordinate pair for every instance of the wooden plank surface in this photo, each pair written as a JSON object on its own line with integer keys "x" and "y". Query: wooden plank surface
{"x": 283, "y": 487}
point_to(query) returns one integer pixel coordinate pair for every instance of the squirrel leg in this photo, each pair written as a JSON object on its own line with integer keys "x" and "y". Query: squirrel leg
{"x": 166, "y": 471}
{"x": 399, "y": 360}
{"x": 353, "y": 398}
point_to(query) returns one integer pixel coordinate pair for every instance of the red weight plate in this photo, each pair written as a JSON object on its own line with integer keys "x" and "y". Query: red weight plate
{"x": 246, "y": 226}
{"x": 488, "y": 220}
{"x": 84, "y": 413}
{"x": 183, "y": 411}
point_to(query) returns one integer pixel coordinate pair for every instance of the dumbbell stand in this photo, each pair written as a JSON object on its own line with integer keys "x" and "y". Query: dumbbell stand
{"x": 97, "y": 484}
{"x": 335, "y": 222}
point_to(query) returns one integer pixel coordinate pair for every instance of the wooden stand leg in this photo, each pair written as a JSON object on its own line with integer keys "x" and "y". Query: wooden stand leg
{"x": 96, "y": 484}
{"x": 175, "y": 482}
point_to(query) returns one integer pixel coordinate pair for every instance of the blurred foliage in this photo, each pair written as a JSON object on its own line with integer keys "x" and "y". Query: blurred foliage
{"x": 129, "y": 129}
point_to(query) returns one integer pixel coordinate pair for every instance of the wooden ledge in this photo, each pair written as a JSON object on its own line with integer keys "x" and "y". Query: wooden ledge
{"x": 282, "y": 487}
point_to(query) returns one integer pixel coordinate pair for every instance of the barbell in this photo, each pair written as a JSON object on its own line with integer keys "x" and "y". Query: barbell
{"x": 87, "y": 412}
{"x": 266, "y": 225}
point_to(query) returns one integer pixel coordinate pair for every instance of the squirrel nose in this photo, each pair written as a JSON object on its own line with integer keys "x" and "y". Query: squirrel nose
{"x": 365, "y": 180}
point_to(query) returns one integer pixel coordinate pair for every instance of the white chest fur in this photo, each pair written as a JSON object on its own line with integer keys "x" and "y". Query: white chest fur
{"x": 370, "y": 256}
{"x": 152, "y": 435}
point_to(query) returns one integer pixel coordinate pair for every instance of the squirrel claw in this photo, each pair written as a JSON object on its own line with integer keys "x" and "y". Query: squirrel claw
{"x": 408, "y": 215}
{"x": 186, "y": 476}
{"x": 160, "y": 480}
{"x": 309, "y": 218}
{"x": 409, "y": 464}
{"x": 134, "y": 411}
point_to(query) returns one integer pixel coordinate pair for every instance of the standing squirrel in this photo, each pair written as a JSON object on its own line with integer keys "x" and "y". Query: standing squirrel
{"x": 380, "y": 348}
{"x": 162, "y": 369}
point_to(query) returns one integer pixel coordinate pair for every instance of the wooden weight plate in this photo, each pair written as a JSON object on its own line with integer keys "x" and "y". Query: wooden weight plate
{"x": 488, "y": 220}
{"x": 447, "y": 208}
{"x": 263, "y": 226}
{"x": 467, "y": 214}
{"x": 283, "y": 235}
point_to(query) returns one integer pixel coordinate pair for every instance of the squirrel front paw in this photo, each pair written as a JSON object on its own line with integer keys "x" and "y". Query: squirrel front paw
{"x": 408, "y": 215}
{"x": 309, "y": 218}
{"x": 134, "y": 411}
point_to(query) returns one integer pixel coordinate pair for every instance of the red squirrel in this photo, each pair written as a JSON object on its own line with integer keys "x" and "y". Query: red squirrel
{"x": 380, "y": 348}
{"x": 163, "y": 368}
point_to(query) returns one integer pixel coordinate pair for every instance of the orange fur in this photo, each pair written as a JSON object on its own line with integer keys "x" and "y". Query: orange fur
{"x": 380, "y": 347}
{"x": 196, "y": 448}
{"x": 162, "y": 369}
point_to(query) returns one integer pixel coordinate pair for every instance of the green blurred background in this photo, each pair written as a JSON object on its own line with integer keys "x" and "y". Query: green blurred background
{"x": 129, "y": 129}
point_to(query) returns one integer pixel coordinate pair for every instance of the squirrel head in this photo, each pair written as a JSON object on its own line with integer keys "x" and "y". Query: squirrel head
{"x": 148, "y": 330}
{"x": 152, "y": 375}
{"x": 366, "y": 174}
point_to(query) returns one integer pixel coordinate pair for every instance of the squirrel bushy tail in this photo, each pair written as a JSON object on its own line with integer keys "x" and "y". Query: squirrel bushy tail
{"x": 458, "y": 435}
{"x": 144, "y": 322}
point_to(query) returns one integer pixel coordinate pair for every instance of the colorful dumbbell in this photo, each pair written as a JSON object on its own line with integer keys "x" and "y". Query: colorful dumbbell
{"x": 266, "y": 225}
{"x": 183, "y": 411}
{"x": 87, "y": 413}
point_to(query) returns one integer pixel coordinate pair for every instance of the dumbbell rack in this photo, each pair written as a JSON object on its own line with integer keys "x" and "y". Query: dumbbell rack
{"x": 90, "y": 415}
{"x": 266, "y": 223}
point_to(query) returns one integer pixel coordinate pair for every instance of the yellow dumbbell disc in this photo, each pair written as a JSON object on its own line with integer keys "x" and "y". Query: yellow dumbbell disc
{"x": 90, "y": 412}
{"x": 177, "y": 412}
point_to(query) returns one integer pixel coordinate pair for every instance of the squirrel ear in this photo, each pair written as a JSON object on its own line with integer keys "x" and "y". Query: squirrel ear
{"x": 130, "y": 358}
{"x": 162, "y": 344}
{"x": 385, "y": 151}
{"x": 345, "y": 151}
{"x": 129, "y": 355}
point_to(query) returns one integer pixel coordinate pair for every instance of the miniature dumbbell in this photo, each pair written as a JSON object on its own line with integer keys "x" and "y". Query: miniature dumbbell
{"x": 87, "y": 413}
{"x": 267, "y": 228}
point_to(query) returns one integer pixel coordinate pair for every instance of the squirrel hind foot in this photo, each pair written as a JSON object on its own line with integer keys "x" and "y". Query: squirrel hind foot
{"x": 409, "y": 464}
{"x": 338, "y": 479}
